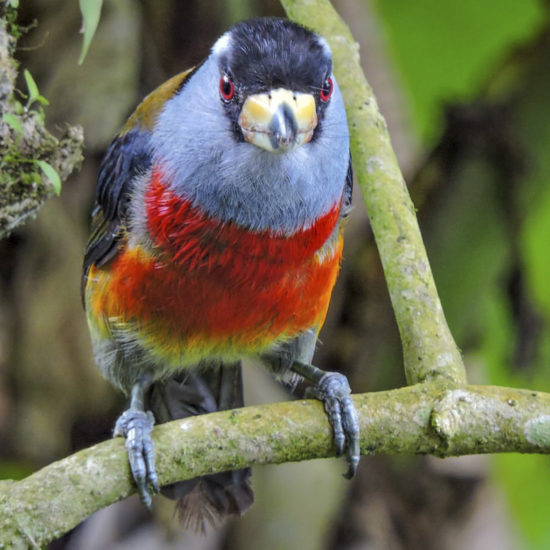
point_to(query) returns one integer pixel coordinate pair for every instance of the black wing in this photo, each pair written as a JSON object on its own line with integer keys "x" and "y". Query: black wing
{"x": 127, "y": 156}
{"x": 347, "y": 194}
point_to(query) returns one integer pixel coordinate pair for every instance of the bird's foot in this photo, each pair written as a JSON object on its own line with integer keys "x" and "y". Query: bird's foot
{"x": 136, "y": 426}
{"x": 334, "y": 391}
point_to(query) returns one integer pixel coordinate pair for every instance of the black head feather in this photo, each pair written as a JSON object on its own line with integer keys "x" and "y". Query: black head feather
{"x": 270, "y": 53}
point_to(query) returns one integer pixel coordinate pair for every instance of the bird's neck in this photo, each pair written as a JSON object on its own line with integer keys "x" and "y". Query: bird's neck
{"x": 194, "y": 239}
{"x": 256, "y": 189}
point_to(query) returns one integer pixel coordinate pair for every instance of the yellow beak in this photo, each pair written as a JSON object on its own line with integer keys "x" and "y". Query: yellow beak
{"x": 278, "y": 121}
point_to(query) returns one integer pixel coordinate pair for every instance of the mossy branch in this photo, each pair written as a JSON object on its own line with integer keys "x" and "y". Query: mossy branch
{"x": 33, "y": 162}
{"x": 429, "y": 350}
{"x": 427, "y": 418}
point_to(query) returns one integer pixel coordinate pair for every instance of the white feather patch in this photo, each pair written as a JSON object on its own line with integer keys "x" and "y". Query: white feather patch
{"x": 222, "y": 45}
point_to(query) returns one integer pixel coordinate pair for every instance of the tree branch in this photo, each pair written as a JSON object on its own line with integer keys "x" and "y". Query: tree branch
{"x": 429, "y": 350}
{"x": 427, "y": 418}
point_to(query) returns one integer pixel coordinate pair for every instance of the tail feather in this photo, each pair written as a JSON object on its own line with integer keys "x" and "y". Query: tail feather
{"x": 209, "y": 499}
{"x": 214, "y": 498}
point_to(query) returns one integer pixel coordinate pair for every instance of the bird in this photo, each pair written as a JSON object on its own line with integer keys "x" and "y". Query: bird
{"x": 216, "y": 236}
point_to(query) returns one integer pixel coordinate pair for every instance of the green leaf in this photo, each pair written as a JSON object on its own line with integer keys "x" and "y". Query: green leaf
{"x": 14, "y": 3}
{"x": 91, "y": 10}
{"x": 34, "y": 94}
{"x": 51, "y": 174}
{"x": 13, "y": 122}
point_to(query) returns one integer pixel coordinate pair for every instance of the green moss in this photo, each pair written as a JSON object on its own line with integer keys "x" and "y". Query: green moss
{"x": 24, "y": 140}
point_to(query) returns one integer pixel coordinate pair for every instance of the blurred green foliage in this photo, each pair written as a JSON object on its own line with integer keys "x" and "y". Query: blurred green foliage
{"x": 15, "y": 470}
{"x": 488, "y": 232}
{"x": 537, "y": 225}
{"x": 445, "y": 50}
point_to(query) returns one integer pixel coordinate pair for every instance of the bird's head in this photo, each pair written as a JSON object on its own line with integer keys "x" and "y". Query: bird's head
{"x": 275, "y": 81}
{"x": 258, "y": 132}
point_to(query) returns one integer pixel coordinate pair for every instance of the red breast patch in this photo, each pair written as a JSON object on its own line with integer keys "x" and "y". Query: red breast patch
{"x": 215, "y": 286}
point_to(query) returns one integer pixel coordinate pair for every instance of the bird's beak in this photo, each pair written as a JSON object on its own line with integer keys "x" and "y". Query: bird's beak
{"x": 278, "y": 121}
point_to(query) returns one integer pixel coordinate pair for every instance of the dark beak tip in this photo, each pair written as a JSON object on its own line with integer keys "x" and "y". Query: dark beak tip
{"x": 282, "y": 140}
{"x": 283, "y": 129}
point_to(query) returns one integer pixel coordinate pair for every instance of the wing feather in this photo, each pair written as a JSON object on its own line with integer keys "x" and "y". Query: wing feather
{"x": 128, "y": 156}
{"x": 347, "y": 193}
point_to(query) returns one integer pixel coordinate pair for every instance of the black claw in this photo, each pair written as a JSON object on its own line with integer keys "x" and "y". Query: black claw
{"x": 136, "y": 426}
{"x": 352, "y": 468}
{"x": 334, "y": 391}
{"x": 351, "y": 427}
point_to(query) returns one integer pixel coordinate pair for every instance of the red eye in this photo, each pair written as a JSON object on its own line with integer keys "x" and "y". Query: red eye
{"x": 227, "y": 88}
{"x": 326, "y": 90}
